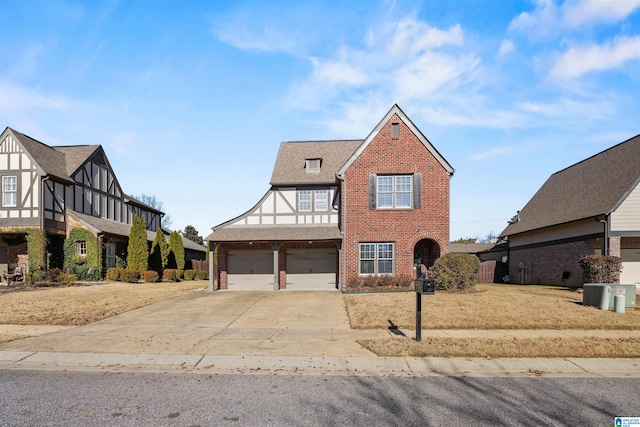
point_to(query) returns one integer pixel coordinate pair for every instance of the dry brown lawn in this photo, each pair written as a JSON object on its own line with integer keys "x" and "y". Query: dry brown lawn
{"x": 493, "y": 307}
{"x": 80, "y": 305}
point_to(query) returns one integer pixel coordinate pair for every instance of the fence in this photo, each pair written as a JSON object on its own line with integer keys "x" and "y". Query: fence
{"x": 200, "y": 265}
{"x": 492, "y": 272}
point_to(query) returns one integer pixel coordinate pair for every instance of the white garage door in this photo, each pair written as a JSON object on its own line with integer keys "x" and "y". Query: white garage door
{"x": 630, "y": 273}
{"x": 311, "y": 269}
{"x": 250, "y": 270}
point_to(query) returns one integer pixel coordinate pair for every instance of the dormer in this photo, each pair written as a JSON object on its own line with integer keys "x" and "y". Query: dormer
{"x": 313, "y": 165}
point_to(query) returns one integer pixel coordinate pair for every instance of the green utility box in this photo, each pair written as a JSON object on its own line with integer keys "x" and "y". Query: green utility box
{"x": 593, "y": 293}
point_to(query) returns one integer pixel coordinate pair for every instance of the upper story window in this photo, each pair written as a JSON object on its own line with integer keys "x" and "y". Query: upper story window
{"x": 394, "y": 191}
{"x": 9, "y": 191}
{"x": 395, "y": 130}
{"x": 313, "y": 165}
{"x": 313, "y": 200}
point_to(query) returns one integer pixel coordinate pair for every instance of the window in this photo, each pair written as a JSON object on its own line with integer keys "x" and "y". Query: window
{"x": 394, "y": 191}
{"x": 395, "y": 131}
{"x": 111, "y": 255}
{"x": 313, "y": 165}
{"x": 304, "y": 200}
{"x": 376, "y": 258}
{"x": 313, "y": 200}
{"x": 321, "y": 200}
{"x": 9, "y": 191}
{"x": 81, "y": 248}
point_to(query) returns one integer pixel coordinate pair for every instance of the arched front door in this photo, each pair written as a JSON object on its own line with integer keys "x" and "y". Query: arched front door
{"x": 426, "y": 251}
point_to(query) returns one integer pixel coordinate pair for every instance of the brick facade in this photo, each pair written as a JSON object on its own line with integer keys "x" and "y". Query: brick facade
{"x": 404, "y": 227}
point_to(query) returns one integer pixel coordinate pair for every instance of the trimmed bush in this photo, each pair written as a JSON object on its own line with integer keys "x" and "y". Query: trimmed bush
{"x": 113, "y": 274}
{"x": 202, "y": 275}
{"x": 129, "y": 275}
{"x": 138, "y": 248}
{"x": 455, "y": 271}
{"x": 189, "y": 274}
{"x": 601, "y": 268}
{"x": 151, "y": 276}
{"x": 52, "y": 275}
{"x": 66, "y": 278}
{"x": 170, "y": 275}
{"x": 381, "y": 283}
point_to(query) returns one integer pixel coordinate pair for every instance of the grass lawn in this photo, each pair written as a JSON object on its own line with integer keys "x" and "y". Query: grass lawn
{"x": 493, "y": 307}
{"x": 80, "y": 305}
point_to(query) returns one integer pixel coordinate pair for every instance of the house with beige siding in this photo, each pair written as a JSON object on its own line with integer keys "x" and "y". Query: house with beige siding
{"x": 592, "y": 207}
{"x": 340, "y": 210}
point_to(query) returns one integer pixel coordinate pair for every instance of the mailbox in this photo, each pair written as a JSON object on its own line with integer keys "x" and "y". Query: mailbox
{"x": 425, "y": 286}
{"x": 422, "y": 284}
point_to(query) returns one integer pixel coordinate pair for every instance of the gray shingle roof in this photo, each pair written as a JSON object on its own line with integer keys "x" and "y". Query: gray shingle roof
{"x": 262, "y": 233}
{"x": 592, "y": 187}
{"x": 469, "y": 248}
{"x": 52, "y": 161}
{"x": 290, "y": 163}
{"x": 76, "y": 155}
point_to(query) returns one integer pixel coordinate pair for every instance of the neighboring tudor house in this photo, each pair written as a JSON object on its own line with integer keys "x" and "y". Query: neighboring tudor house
{"x": 339, "y": 210}
{"x": 54, "y": 189}
{"x": 592, "y": 207}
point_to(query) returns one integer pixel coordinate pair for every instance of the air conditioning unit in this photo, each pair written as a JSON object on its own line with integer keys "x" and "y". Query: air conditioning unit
{"x": 593, "y": 293}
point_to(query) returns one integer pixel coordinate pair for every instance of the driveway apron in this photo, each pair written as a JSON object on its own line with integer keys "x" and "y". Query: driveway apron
{"x": 223, "y": 322}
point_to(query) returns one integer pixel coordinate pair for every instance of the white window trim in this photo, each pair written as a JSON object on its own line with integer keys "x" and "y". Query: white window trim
{"x": 376, "y": 259}
{"x": 81, "y": 248}
{"x": 12, "y": 191}
{"x": 394, "y": 191}
{"x": 313, "y": 201}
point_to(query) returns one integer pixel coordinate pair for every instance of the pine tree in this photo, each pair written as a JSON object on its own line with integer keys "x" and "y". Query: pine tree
{"x": 191, "y": 233}
{"x": 138, "y": 249}
{"x": 176, "y": 251}
{"x": 159, "y": 255}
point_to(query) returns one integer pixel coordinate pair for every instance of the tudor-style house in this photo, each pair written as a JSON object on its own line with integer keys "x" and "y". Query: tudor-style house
{"x": 54, "y": 189}
{"x": 589, "y": 208}
{"x": 340, "y": 210}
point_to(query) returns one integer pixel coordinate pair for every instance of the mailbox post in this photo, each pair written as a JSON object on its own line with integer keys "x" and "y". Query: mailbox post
{"x": 422, "y": 286}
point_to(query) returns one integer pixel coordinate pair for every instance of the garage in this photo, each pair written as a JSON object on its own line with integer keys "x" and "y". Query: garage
{"x": 250, "y": 270}
{"x": 311, "y": 269}
{"x": 630, "y": 273}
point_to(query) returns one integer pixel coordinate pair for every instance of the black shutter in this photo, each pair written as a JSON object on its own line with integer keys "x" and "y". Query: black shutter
{"x": 372, "y": 191}
{"x": 417, "y": 190}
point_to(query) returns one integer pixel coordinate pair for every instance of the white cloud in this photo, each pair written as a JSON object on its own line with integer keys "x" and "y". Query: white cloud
{"x": 16, "y": 98}
{"x": 539, "y": 24}
{"x": 247, "y": 37}
{"x": 577, "y": 13}
{"x": 338, "y": 73}
{"x": 492, "y": 153}
{"x": 579, "y": 60}
{"x": 506, "y": 47}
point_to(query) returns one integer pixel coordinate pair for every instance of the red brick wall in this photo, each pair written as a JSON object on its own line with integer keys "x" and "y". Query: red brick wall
{"x": 404, "y": 155}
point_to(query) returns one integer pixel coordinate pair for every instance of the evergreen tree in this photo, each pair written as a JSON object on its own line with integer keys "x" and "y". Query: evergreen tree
{"x": 176, "y": 251}
{"x": 138, "y": 249}
{"x": 191, "y": 233}
{"x": 159, "y": 255}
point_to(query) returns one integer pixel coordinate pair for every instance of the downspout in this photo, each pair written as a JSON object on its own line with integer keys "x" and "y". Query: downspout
{"x": 42, "y": 185}
{"x": 605, "y": 245}
{"x": 343, "y": 232}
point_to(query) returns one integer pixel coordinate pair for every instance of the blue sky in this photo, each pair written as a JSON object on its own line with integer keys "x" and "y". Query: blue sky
{"x": 191, "y": 99}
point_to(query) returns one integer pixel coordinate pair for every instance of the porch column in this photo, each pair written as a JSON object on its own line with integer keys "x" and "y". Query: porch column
{"x": 614, "y": 246}
{"x": 213, "y": 266}
{"x": 276, "y": 269}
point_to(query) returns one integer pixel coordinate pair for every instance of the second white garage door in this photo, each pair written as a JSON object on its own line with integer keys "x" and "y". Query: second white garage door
{"x": 250, "y": 270}
{"x": 311, "y": 269}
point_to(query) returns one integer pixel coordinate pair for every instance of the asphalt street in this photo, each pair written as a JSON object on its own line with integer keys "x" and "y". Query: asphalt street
{"x": 29, "y": 398}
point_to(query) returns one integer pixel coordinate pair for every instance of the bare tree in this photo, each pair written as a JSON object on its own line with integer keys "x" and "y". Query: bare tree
{"x": 156, "y": 204}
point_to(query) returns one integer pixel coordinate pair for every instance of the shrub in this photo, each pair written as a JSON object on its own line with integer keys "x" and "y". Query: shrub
{"x": 601, "y": 268}
{"x": 151, "y": 276}
{"x": 176, "y": 251}
{"x": 35, "y": 276}
{"x": 202, "y": 275}
{"x": 455, "y": 271}
{"x": 189, "y": 274}
{"x": 170, "y": 275}
{"x": 66, "y": 278}
{"x": 383, "y": 282}
{"x": 129, "y": 275}
{"x": 113, "y": 274}
{"x": 179, "y": 274}
{"x": 138, "y": 248}
{"x": 52, "y": 275}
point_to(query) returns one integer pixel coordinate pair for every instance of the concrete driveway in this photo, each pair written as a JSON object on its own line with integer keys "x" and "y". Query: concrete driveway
{"x": 223, "y": 322}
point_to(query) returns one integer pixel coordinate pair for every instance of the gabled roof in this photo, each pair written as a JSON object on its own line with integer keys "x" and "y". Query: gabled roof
{"x": 396, "y": 110}
{"x": 590, "y": 188}
{"x": 76, "y": 155}
{"x": 274, "y": 233}
{"x": 52, "y": 161}
{"x": 290, "y": 163}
